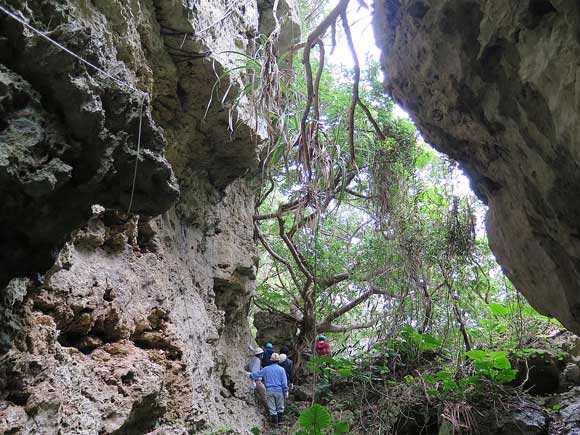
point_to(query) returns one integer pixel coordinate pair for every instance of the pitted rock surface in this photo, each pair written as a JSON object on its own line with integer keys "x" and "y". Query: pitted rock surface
{"x": 68, "y": 136}
{"x": 496, "y": 85}
{"x": 114, "y": 322}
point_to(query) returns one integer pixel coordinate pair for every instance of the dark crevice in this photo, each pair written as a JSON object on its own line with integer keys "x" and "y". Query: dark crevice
{"x": 155, "y": 340}
{"x": 537, "y": 11}
{"x": 143, "y": 417}
{"x": 418, "y": 9}
{"x": 84, "y": 343}
{"x": 229, "y": 295}
{"x": 228, "y": 384}
{"x": 490, "y": 63}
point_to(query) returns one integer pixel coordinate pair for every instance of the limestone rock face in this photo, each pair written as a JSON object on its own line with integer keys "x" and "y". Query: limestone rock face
{"x": 114, "y": 322}
{"x": 274, "y": 328}
{"x": 496, "y": 85}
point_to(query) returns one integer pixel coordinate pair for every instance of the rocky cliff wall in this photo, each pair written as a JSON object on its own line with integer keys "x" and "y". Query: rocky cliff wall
{"x": 115, "y": 322}
{"x": 496, "y": 85}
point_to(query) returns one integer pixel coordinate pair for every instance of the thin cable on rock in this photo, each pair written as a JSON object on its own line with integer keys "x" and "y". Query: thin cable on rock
{"x": 137, "y": 158}
{"x": 117, "y": 81}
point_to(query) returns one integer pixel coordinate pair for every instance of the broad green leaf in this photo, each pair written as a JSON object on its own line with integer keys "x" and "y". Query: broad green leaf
{"x": 429, "y": 378}
{"x": 341, "y": 427}
{"x": 498, "y": 309}
{"x": 498, "y": 355}
{"x": 315, "y": 418}
{"x": 502, "y": 363}
{"x": 476, "y": 355}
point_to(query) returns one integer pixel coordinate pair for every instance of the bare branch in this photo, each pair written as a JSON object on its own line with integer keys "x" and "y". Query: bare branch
{"x": 264, "y": 217}
{"x": 344, "y": 328}
{"x": 355, "y": 84}
{"x": 354, "y": 303}
{"x": 313, "y": 39}
{"x": 298, "y": 259}
{"x": 288, "y": 291}
{"x": 264, "y": 306}
{"x": 358, "y": 195}
{"x": 372, "y": 120}
{"x": 276, "y": 256}
{"x": 334, "y": 279}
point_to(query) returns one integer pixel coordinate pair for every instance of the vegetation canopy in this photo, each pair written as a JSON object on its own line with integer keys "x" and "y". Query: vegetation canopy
{"x": 365, "y": 235}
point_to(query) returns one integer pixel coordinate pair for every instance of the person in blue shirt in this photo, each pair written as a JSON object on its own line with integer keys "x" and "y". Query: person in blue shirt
{"x": 268, "y": 351}
{"x": 274, "y": 378}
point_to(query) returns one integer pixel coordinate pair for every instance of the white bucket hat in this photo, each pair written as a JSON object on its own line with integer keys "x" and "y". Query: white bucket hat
{"x": 275, "y": 357}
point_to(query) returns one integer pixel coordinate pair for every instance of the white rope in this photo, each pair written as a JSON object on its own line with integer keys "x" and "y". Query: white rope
{"x": 117, "y": 81}
{"x": 52, "y": 41}
{"x": 136, "y": 158}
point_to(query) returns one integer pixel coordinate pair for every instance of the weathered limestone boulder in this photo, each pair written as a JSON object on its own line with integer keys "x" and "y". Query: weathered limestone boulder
{"x": 570, "y": 377}
{"x": 518, "y": 417}
{"x": 117, "y": 322}
{"x": 569, "y": 414}
{"x": 496, "y": 85}
{"x": 275, "y": 328}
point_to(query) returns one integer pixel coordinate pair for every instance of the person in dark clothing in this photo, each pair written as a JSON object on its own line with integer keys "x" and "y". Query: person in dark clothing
{"x": 268, "y": 351}
{"x": 287, "y": 364}
{"x": 284, "y": 350}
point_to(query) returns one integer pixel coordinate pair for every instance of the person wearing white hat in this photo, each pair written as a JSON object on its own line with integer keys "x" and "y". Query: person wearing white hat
{"x": 254, "y": 365}
{"x": 276, "y": 384}
{"x": 255, "y": 362}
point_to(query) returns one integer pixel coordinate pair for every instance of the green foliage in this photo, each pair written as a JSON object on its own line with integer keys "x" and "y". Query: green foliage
{"x": 316, "y": 420}
{"x": 412, "y": 339}
{"x": 341, "y": 427}
{"x": 493, "y": 365}
{"x": 446, "y": 386}
{"x": 394, "y": 218}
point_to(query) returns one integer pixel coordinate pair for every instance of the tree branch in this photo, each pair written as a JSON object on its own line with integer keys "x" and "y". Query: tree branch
{"x": 372, "y": 120}
{"x": 334, "y": 279}
{"x": 358, "y": 195}
{"x": 293, "y": 251}
{"x": 312, "y": 39}
{"x": 276, "y": 256}
{"x": 324, "y": 327}
{"x": 355, "y": 84}
{"x": 264, "y": 306}
{"x": 354, "y": 303}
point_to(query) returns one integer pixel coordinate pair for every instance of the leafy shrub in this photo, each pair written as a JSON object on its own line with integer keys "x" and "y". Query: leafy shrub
{"x": 316, "y": 420}
{"x": 420, "y": 341}
{"x": 493, "y": 365}
{"x": 445, "y": 385}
